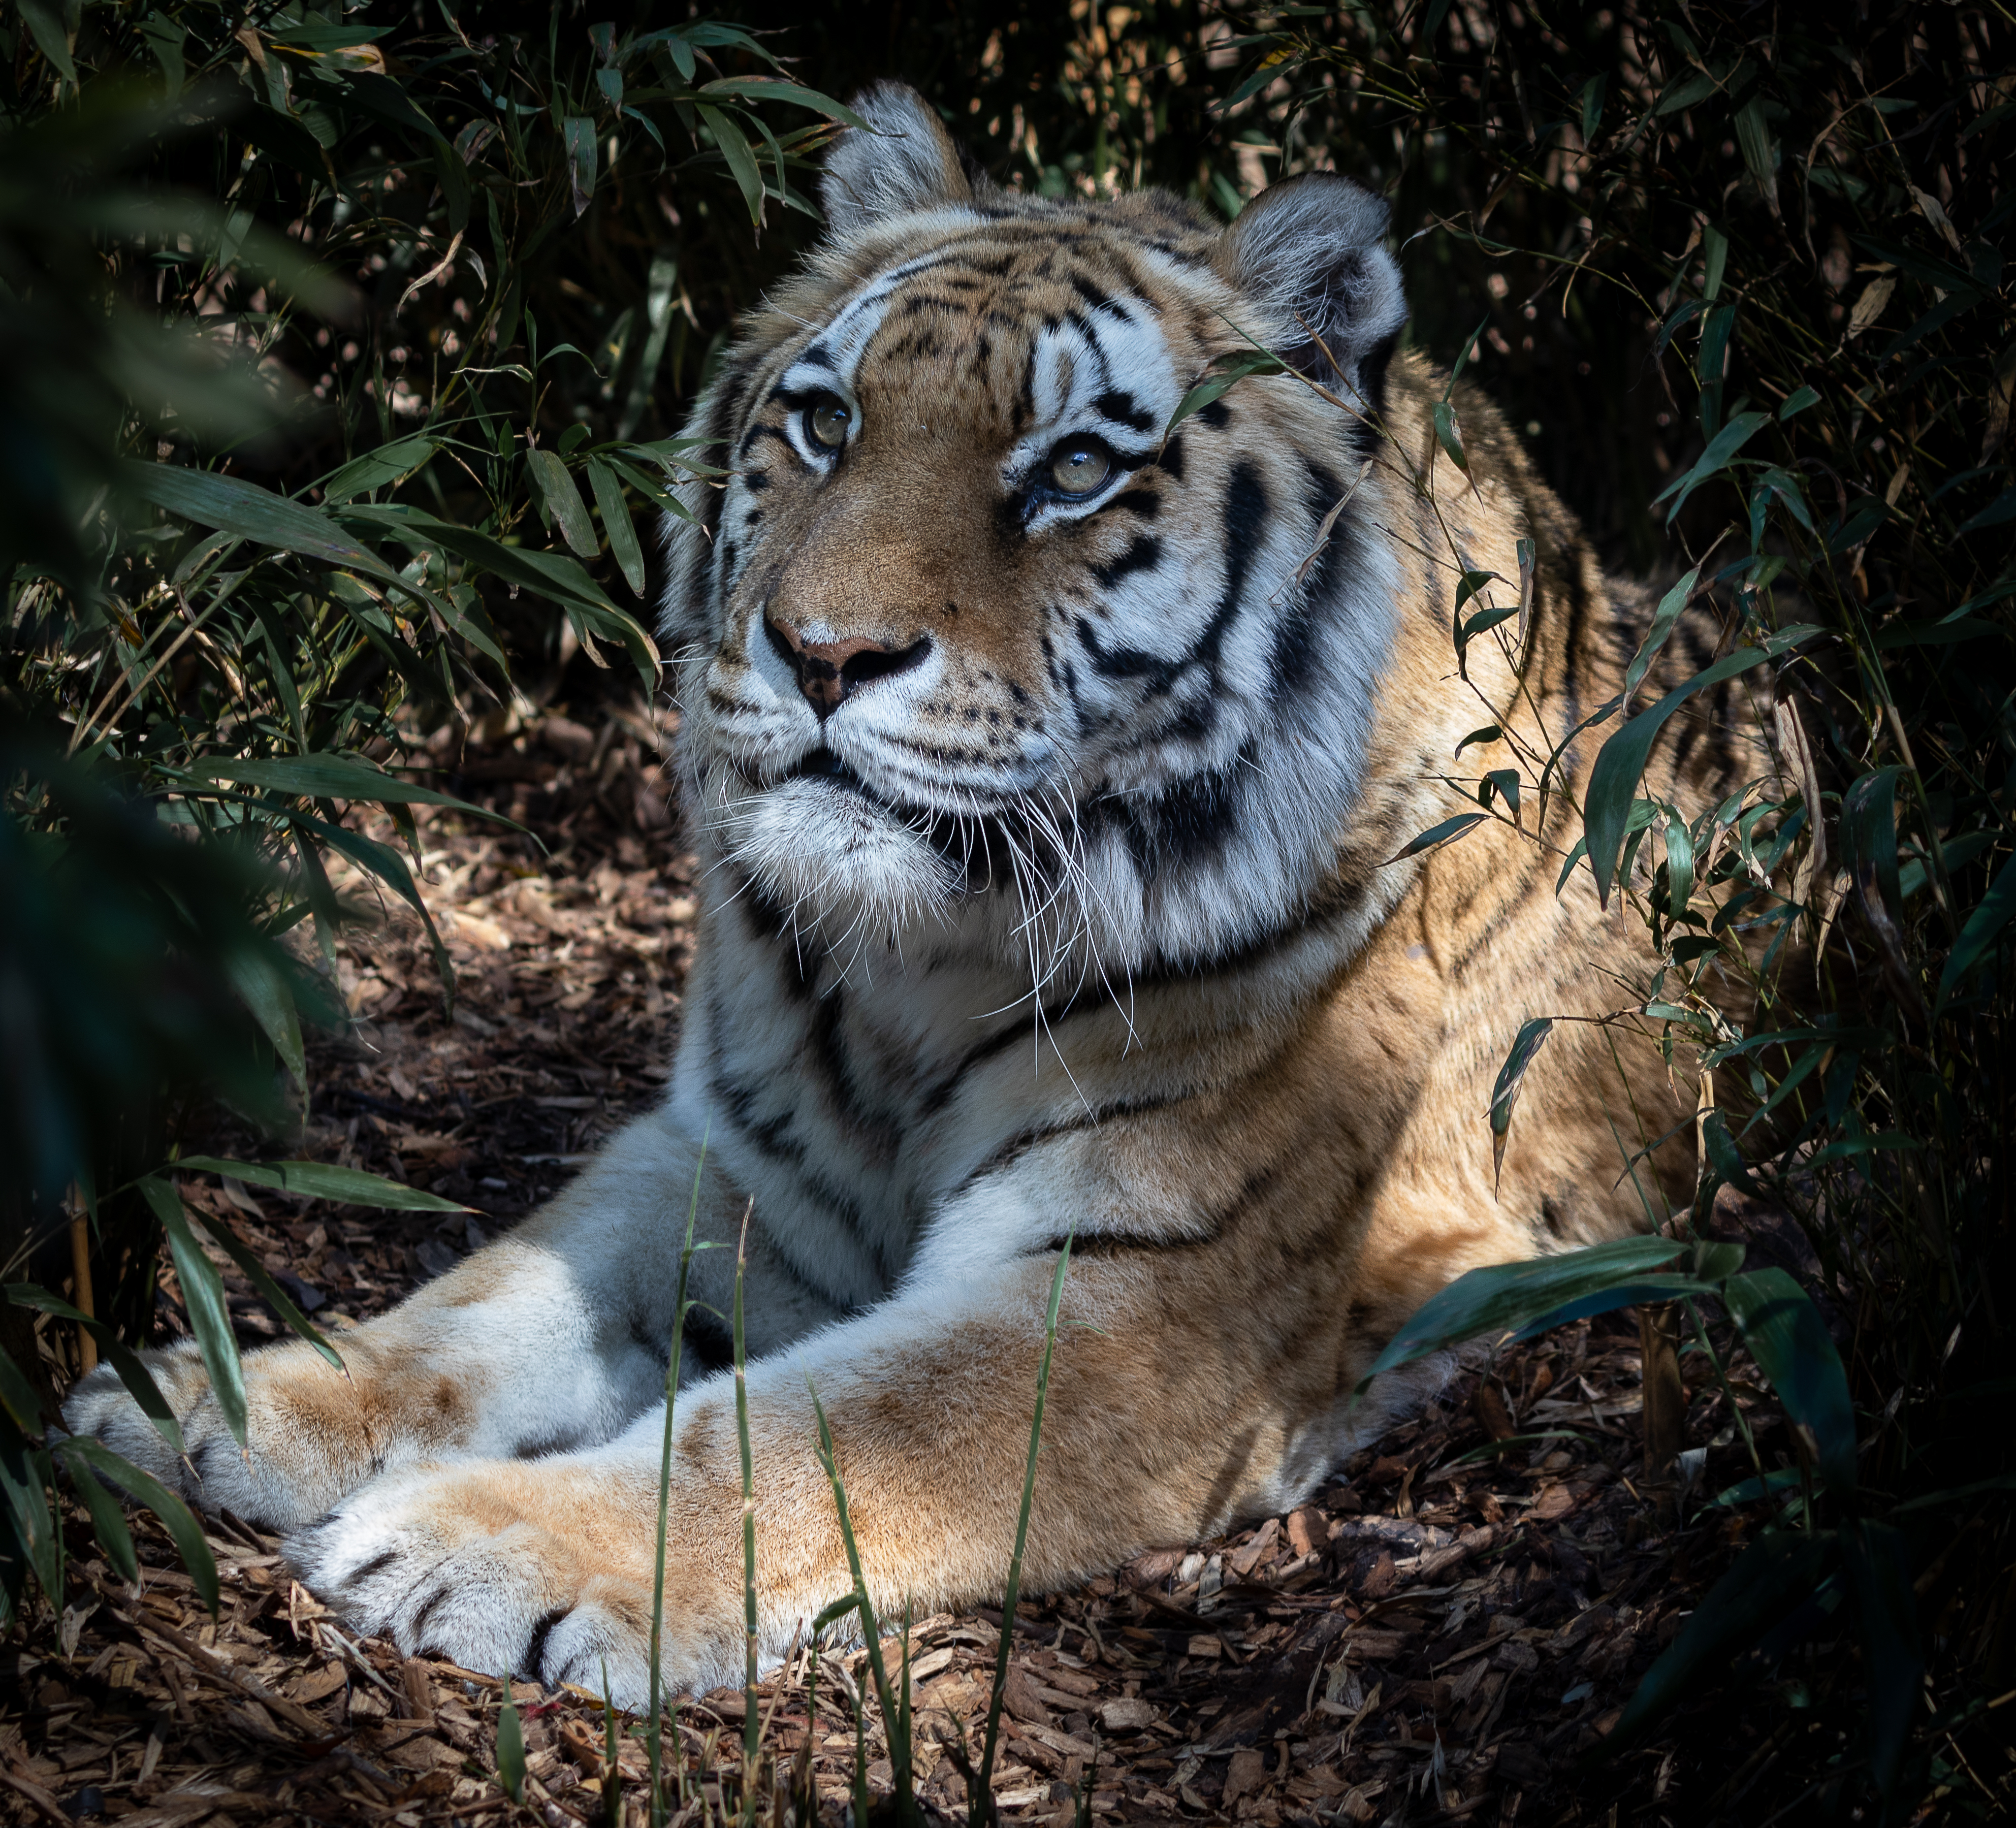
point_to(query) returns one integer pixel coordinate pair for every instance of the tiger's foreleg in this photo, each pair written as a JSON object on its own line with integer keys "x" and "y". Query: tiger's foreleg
{"x": 1155, "y": 1431}
{"x": 552, "y": 1336}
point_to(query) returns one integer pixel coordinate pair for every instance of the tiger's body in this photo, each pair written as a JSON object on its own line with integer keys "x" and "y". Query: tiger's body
{"x": 1049, "y": 896}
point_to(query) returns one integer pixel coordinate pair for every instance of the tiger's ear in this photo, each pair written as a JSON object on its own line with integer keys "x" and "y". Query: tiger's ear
{"x": 1309, "y": 252}
{"x": 907, "y": 162}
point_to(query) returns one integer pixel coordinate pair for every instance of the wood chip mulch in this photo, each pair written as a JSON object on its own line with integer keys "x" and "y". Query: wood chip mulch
{"x": 1442, "y": 1635}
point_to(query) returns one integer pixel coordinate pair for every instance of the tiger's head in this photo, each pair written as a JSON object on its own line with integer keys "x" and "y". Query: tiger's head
{"x": 969, "y": 653}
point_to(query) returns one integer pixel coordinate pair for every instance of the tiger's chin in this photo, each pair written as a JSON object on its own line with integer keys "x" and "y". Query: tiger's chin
{"x": 840, "y": 861}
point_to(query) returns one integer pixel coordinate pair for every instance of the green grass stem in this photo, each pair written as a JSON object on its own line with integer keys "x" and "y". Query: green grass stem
{"x": 752, "y": 1728}
{"x": 654, "y": 1724}
{"x": 980, "y": 1805}
{"x": 895, "y": 1720}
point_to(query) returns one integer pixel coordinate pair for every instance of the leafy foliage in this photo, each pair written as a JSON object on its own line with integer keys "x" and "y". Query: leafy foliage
{"x": 300, "y": 452}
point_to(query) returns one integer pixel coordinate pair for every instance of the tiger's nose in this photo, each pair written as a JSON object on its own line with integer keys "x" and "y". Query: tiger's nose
{"x": 829, "y": 672}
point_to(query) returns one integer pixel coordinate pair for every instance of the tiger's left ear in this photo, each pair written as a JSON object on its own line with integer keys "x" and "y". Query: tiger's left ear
{"x": 1310, "y": 252}
{"x": 907, "y": 161}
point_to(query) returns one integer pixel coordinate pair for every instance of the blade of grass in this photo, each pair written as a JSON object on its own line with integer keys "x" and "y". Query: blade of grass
{"x": 751, "y": 1725}
{"x": 981, "y": 1804}
{"x": 654, "y": 1722}
{"x": 612, "y": 1772}
{"x": 899, "y": 1748}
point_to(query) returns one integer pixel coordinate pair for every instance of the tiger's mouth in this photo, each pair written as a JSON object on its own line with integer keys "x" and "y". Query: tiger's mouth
{"x": 823, "y": 765}
{"x": 974, "y": 846}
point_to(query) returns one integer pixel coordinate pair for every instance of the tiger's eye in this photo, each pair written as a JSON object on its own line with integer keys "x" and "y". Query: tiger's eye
{"x": 1079, "y": 465}
{"x": 829, "y": 421}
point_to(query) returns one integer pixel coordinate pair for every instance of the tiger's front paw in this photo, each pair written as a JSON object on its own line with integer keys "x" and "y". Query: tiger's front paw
{"x": 305, "y": 1442}
{"x": 540, "y": 1569}
{"x": 99, "y": 1408}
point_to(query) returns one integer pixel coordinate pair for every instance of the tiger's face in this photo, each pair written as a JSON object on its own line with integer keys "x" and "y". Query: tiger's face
{"x": 976, "y": 650}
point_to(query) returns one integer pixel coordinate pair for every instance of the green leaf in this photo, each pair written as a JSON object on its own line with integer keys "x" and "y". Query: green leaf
{"x": 17, "y": 1396}
{"x": 616, "y": 522}
{"x": 1677, "y": 1287}
{"x": 1468, "y": 584}
{"x": 329, "y": 777}
{"x": 1591, "y": 106}
{"x": 549, "y": 574}
{"x": 108, "y": 1521}
{"x": 1613, "y": 781}
{"x": 50, "y": 30}
{"x": 510, "y": 1749}
{"x": 577, "y": 134}
{"x": 1526, "y": 1045}
{"x": 263, "y": 989}
{"x": 318, "y": 1180}
{"x": 556, "y": 489}
{"x": 131, "y": 1372}
{"x": 1716, "y": 1262}
{"x": 1797, "y": 401}
{"x": 2002, "y": 507}
{"x": 1753, "y": 135}
{"x": 1722, "y": 447}
{"x": 282, "y": 1303}
{"x": 773, "y": 88}
{"x": 1223, "y": 376}
{"x": 377, "y": 469}
{"x": 741, "y": 161}
{"x": 24, "y": 1472}
{"x": 1437, "y": 834}
{"x": 251, "y": 512}
{"x": 1785, "y": 1334}
{"x": 1753, "y": 1490}
{"x": 834, "y": 1611}
{"x": 1490, "y": 733}
{"x": 203, "y": 1298}
{"x": 1503, "y": 781}
{"x": 1696, "y": 86}
{"x": 1983, "y": 926}
{"x": 1664, "y": 619}
{"x": 1505, "y": 1297}
{"x": 1448, "y": 433}
{"x": 384, "y": 862}
{"x": 1877, "y": 1562}
{"x": 1777, "y": 1574}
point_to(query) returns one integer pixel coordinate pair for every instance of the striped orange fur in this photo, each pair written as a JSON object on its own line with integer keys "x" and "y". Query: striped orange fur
{"x": 1050, "y": 768}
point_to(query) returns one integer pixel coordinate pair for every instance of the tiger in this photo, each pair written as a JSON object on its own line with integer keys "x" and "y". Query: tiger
{"x": 1056, "y": 731}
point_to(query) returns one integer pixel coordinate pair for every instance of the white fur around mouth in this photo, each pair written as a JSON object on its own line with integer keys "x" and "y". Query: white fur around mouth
{"x": 829, "y": 848}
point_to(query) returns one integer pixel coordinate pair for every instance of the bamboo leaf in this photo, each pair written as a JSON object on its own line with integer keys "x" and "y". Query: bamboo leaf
{"x": 616, "y": 522}
{"x": 557, "y": 488}
{"x": 1984, "y": 926}
{"x": 1775, "y": 1575}
{"x": 203, "y": 1298}
{"x": 1876, "y": 1560}
{"x": 1437, "y": 834}
{"x": 125, "y": 1362}
{"x": 380, "y": 469}
{"x": 1787, "y": 1337}
{"x": 108, "y": 1521}
{"x": 320, "y": 1180}
{"x": 1504, "y": 1297}
{"x": 1526, "y": 1045}
{"x": 1224, "y": 374}
{"x": 1664, "y": 619}
{"x": 1613, "y": 781}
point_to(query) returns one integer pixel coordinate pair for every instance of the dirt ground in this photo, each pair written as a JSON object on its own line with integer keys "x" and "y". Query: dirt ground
{"x": 1445, "y": 1633}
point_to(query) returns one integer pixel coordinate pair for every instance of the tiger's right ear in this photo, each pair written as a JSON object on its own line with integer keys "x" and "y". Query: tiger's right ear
{"x": 908, "y": 161}
{"x": 1311, "y": 252}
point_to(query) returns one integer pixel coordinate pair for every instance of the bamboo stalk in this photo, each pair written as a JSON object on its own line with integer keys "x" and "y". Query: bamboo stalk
{"x": 80, "y": 1263}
